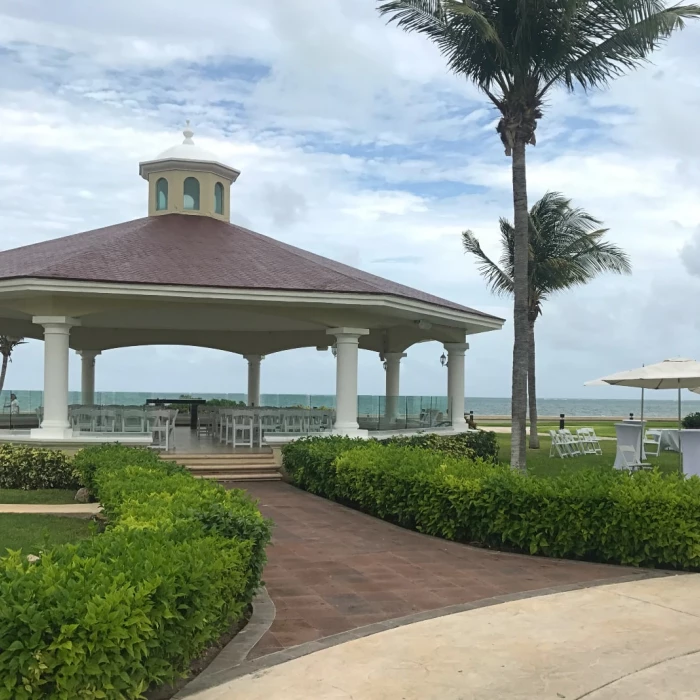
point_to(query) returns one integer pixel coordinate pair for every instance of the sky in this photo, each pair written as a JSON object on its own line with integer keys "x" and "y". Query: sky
{"x": 356, "y": 143}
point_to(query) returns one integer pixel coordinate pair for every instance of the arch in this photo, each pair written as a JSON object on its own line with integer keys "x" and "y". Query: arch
{"x": 191, "y": 194}
{"x": 218, "y": 198}
{"x": 161, "y": 194}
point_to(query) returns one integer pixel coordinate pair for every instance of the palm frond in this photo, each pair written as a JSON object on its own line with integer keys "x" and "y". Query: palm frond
{"x": 498, "y": 281}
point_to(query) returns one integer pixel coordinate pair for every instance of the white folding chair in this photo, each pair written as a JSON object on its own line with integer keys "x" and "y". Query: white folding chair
{"x": 243, "y": 429}
{"x": 226, "y": 425}
{"x": 295, "y": 422}
{"x": 630, "y": 458}
{"x": 269, "y": 422}
{"x": 83, "y": 420}
{"x": 588, "y": 441}
{"x": 653, "y": 438}
{"x": 133, "y": 420}
{"x": 106, "y": 420}
{"x": 557, "y": 447}
{"x": 570, "y": 443}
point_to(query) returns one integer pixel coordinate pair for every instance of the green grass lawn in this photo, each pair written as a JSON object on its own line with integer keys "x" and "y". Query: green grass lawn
{"x": 540, "y": 463}
{"x": 602, "y": 428}
{"x": 33, "y": 533}
{"x": 50, "y": 496}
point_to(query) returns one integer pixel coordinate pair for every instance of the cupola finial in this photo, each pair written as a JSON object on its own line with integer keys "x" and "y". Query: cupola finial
{"x": 188, "y": 134}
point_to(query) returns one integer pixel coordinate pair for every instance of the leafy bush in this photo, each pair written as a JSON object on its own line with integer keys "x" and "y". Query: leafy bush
{"x": 480, "y": 444}
{"x": 226, "y": 403}
{"x": 644, "y": 519}
{"x": 87, "y": 461}
{"x": 25, "y": 467}
{"x": 692, "y": 421}
{"x": 179, "y": 561}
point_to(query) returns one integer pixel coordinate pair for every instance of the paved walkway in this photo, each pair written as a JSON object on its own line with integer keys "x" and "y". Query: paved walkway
{"x": 332, "y": 569}
{"x": 631, "y": 641}
{"x": 51, "y": 509}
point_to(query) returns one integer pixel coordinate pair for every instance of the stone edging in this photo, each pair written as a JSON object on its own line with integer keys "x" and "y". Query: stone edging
{"x": 225, "y": 674}
{"x": 236, "y": 651}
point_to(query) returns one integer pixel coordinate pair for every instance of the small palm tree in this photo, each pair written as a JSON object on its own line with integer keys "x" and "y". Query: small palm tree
{"x": 516, "y": 52}
{"x": 7, "y": 346}
{"x": 566, "y": 249}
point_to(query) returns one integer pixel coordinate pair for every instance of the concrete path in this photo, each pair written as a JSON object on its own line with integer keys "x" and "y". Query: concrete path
{"x": 51, "y": 509}
{"x": 332, "y": 569}
{"x": 631, "y": 641}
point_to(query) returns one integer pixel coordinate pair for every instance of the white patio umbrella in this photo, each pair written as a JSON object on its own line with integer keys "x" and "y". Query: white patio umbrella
{"x": 676, "y": 373}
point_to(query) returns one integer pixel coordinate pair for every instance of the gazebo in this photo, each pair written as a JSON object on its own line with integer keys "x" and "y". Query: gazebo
{"x": 184, "y": 275}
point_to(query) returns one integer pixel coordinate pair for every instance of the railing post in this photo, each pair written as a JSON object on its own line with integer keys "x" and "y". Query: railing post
{"x": 631, "y": 416}
{"x": 562, "y": 419}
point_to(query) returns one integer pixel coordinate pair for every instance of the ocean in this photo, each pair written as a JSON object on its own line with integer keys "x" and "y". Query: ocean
{"x": 29, "y": 401}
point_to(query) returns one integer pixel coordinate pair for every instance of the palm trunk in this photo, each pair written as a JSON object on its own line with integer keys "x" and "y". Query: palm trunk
{"x": 520, "y": 307}
{"x": 3, "y": 371}
{"x": 532, "y": 390}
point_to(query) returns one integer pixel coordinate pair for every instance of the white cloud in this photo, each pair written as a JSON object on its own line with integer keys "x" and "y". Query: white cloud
{"x": 354, "y": 142}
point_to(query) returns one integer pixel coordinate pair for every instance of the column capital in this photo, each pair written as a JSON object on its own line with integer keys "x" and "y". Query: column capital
{"x": 456, "y": 348}
{"x": 88, "y": 354}
{"x": 349, "y": 333}
{"x": 254, "y": 358}
{"x": 56, "y": 323}
{"x": 394, "y": 356}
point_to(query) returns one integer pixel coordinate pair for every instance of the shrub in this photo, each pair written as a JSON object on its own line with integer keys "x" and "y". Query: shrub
{"x": 480, "y": 444}
{"x": 25, "y": 467}
{"x": 179, "y": 561}
{"x": 644, "y": 519}
{"x": 87, "y": 461}
{"x": 692, "y": 421}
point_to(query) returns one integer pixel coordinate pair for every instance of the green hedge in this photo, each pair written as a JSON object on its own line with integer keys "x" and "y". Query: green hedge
{"x": 644, "y": 519}
{"x": 179, "y": 561}
{"x": 25, "y": 467}
{"x": 479, "y": 444}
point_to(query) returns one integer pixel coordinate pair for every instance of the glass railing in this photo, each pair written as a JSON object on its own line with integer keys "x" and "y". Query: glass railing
{"x": 402, "y": 412}
{"x": 374, "y": 412}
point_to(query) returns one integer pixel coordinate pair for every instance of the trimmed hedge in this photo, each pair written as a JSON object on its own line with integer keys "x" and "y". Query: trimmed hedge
{"x": 179, "y": 561}
{"x": 643, "y": 519}
{"x": 25, "y": 467}
{"x": 480, "y": 444}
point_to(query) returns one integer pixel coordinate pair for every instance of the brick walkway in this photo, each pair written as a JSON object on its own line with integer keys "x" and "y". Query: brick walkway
{"x": 331, "y": 569}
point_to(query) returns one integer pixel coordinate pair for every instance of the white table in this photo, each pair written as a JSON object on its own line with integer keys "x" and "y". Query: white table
{"x": 629, "y": 434}
{"x": 690, "y": 448}
{"x": 669, "y": 439}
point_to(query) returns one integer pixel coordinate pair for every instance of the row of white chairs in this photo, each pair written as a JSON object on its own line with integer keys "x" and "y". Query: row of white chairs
{"x": 247, "y": 427}
{"x": 566, "y": 444}
{"x": 157, "y": 421}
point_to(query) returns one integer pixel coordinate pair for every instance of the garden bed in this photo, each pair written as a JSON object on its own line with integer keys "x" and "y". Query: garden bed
{"x": 130, "y": 608}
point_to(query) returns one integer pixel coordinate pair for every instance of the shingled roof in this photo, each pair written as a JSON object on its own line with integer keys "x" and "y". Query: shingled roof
{"x": 196, "y": 251}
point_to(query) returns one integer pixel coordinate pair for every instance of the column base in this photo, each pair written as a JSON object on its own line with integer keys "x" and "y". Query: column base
{"x": 460, "y": 428}
{"x": 52, "y": 433}
{"x": 350, "y": 431}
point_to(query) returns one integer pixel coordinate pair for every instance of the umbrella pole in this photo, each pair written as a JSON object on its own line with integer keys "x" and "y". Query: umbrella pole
{"x": 680, "y": 452}
{"x": 641, "y": 435}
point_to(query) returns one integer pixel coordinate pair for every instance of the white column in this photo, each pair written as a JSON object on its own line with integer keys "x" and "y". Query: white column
{"x": 347, "y": 346}
{"x": 87, "y": 376}
{"x": 393, "y": 379}
{"x": 254, "y": 379}
{"x": 455, "y": 383}
{"x": 55, "y": 425}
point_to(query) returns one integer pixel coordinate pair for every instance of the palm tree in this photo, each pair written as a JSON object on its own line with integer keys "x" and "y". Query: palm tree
{"x": 7, "y": 346}
{"x": 516, "y": 52}
{"x": 566, "y": 250}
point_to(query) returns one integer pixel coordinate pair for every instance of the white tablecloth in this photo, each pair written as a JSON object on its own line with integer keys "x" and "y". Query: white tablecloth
{"x": 690, "y": 447}
{"x": 629, "y": 432}
{"x": 669, "y": 439}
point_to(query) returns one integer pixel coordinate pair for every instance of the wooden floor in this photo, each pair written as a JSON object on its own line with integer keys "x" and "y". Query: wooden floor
{"x": 187, "y": 441}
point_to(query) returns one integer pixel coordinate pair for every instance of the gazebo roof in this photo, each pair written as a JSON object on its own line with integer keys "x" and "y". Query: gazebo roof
{"x": 196, "y": 251}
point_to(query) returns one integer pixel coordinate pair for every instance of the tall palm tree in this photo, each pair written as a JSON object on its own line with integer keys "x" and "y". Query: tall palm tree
{"x": 516, "y": 52}
{"x": 566, "y": 250}
{"x": 7, "y": 346}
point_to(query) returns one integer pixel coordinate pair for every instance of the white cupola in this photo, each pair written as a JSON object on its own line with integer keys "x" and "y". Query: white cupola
{"x": 187, "y": 179}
